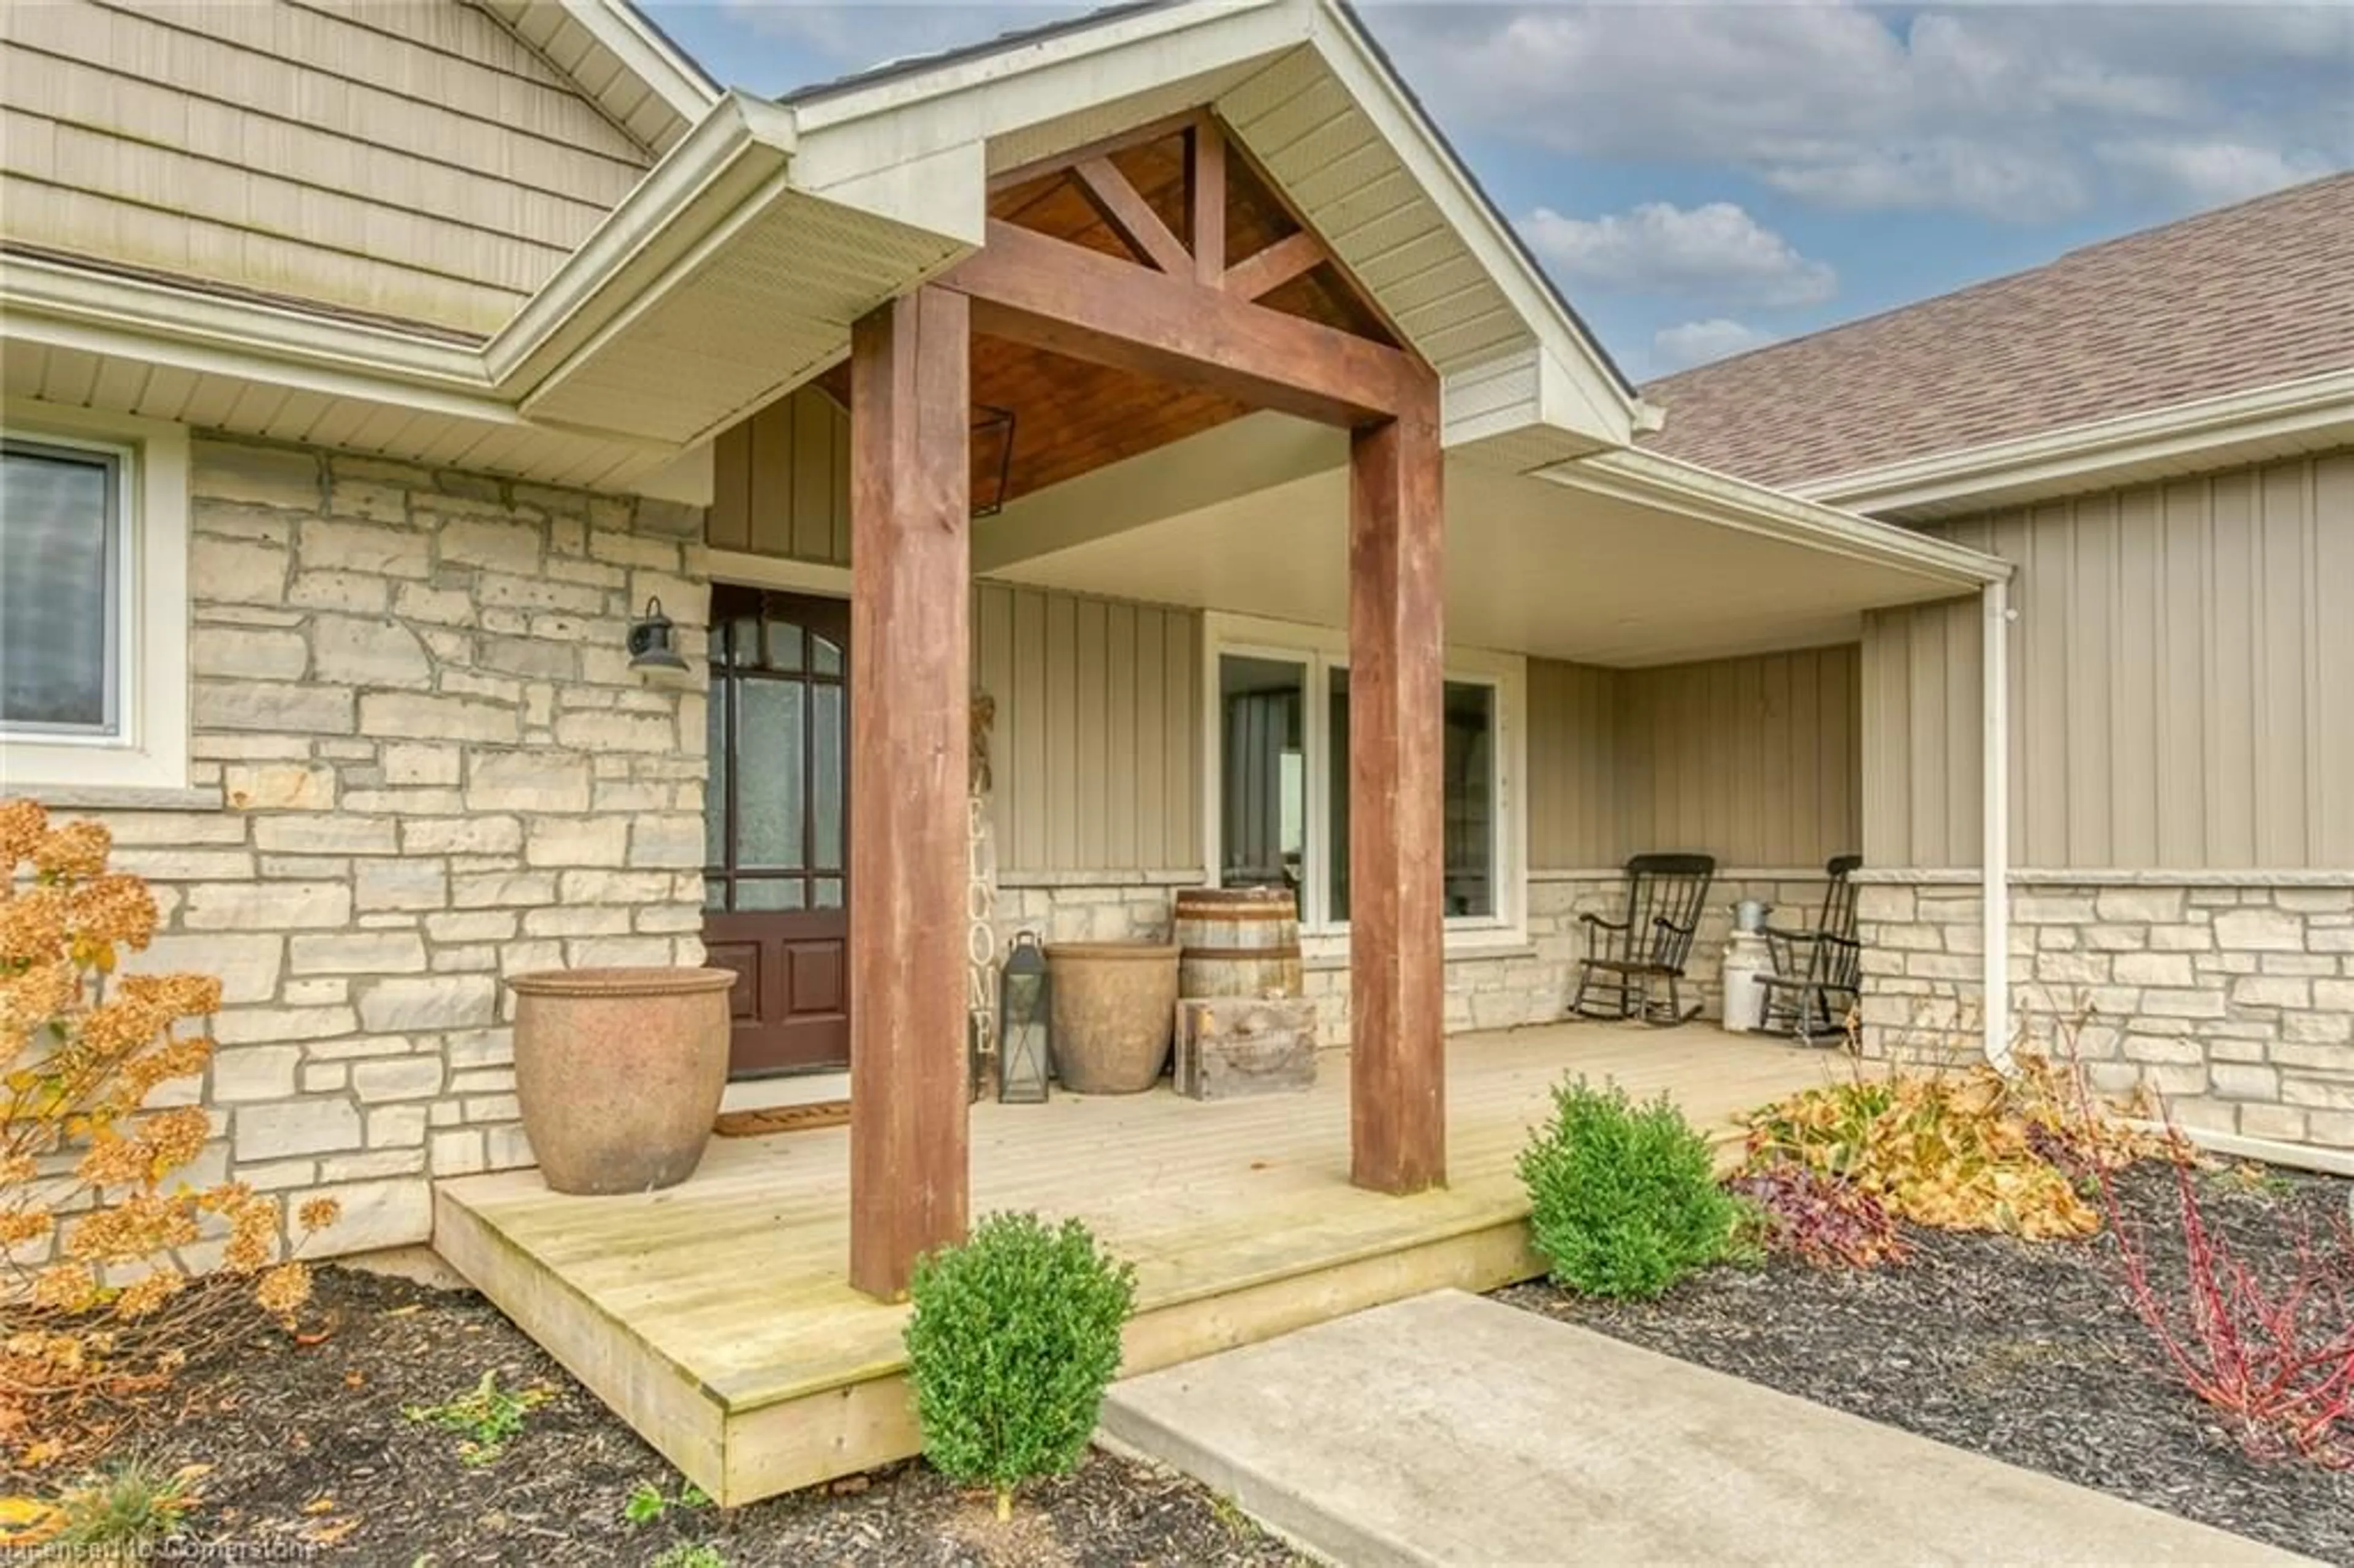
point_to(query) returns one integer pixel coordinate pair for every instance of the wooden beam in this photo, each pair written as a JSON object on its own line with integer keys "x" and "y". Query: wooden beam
{"x": 1065, "y": 298}
{"x": 1205, "y": 185}
{"x": 1132, "y": 216}
{"x": 1397, "y": 1061}
{"x": 909, "y": 691}
{"x": 1143, "y": 135}
{"x": 1257, "y": 275}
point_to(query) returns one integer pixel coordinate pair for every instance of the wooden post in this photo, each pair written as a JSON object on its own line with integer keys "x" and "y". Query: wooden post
{"x": 910, "y": 689}
{"x": 1397, "y": 1075}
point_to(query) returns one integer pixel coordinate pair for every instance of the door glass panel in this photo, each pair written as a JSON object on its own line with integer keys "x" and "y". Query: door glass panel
{"x": 715, "y": 789}
{"x": 824, "y": 657}
{"x": 826, "y": 775}
{"x": 715, "y": 893}
{"x": 1263, "y": 792}
{"x": 828, "y": 894}
{"x": 743, "y": 640}
{"x": 771, "y": 823}
{"x": 769, "y": 892}
{"x": 784, "y": 646}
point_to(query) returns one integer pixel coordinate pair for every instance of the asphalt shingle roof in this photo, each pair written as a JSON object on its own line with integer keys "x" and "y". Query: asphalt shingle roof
{"x": 2247, "y": 296}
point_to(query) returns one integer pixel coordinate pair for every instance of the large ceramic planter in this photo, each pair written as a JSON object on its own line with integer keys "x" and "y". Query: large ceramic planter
{"x": 1114, "y": 1005}
{"x": 619, "y": 1072}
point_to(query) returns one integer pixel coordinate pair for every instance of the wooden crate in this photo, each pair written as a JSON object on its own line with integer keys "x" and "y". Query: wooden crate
{"x": 1229, "y": 1046}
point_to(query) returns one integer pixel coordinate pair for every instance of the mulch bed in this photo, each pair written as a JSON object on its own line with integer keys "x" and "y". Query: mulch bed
{"x": 309, "y": 1445}
{"x": 2023, "y": 1351}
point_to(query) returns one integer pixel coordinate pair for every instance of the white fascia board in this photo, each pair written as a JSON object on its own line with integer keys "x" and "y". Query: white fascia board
{"x": 2309, "y": 407}
{"x": 669, "y": 73}
{"x": 1647, "y": 479}
{"x": 43, "y": 301}
{"x": 1590, "y": 388}
{"x": 974, "y": 99}
{"x": 743, "y": 144}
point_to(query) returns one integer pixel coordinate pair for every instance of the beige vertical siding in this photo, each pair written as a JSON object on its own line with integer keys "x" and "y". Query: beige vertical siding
{"x": 2182, "y": 689}
{"x": 1098, "y": 744}
{"x": 1754, "y": 760}
{"x": 410, "y": 159}
{"x": 780, "y": 482}
{"x": 1575, "y": 814}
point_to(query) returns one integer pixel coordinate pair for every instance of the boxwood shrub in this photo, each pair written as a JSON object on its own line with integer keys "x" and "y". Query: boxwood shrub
{"x": 1623, "y": 1197}
{"x": 1014, "y": 1337}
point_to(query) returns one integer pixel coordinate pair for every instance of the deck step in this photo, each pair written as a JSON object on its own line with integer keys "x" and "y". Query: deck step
{"x": 1450, "y": 1429}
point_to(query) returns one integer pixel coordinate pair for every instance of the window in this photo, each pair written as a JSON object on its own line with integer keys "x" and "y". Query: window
{"x": 93, "y": 606}
{"x": 1279, "y": 754}
{"x": 61, "y": 630}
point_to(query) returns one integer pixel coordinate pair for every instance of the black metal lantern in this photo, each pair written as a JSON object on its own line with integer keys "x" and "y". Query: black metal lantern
{"x": 1024, "y": 1003}
{"x": 652, "y": 650}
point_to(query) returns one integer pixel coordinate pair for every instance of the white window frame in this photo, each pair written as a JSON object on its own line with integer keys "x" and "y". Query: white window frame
{"x": 148, "y": 749}
{"x": 1322, "y": 650}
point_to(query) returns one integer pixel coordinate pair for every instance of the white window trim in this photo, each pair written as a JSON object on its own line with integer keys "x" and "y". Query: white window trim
{"x": 151, "y": 750}
{"x": 1323, "y": 649}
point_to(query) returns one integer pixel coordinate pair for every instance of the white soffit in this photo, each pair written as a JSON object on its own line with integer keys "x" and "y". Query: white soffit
{"x": 1532, "y": 567}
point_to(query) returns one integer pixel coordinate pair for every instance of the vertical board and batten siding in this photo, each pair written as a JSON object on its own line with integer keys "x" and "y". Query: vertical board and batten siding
{"x": 780, "y": 482}
{"x": 1754, "y": 760}
{"x": 1096, "y": 751}
{"x": 2182, "y": 691}
{"x": 1573, "y": 789}
{"x": 415, "y": 160}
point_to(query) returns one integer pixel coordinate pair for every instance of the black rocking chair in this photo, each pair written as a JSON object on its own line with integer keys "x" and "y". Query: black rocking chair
{"x": 1817, "y": 972}
{"x": 1625, "y": 958}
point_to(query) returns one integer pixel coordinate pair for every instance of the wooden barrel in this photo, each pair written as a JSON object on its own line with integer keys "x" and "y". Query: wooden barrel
{"x": 1237, "y": 942}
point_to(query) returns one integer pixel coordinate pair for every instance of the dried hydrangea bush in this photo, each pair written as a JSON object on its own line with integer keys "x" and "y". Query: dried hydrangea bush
{"x": 98, "y": 1302}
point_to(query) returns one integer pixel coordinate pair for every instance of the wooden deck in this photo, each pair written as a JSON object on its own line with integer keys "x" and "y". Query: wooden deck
{"x": 717, "y": 1319}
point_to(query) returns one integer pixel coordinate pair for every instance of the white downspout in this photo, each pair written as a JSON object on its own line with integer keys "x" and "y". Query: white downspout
{"x": 1995, "y": 863}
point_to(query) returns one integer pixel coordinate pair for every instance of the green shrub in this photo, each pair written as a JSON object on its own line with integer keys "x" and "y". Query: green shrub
{"x": 1016, "y": 1337}
{"x": 1623, "y": 1197}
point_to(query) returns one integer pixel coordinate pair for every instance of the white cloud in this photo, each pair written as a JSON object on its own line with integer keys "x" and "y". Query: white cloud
{"x": 2214, "y": 174}
{"x": 1697, "y": 342}
{"x": 2024, "y": 111}
{"x": 1716, "y": 250}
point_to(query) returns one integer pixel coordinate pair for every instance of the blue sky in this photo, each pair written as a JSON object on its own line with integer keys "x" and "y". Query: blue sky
{"x": 1705, "y": 177}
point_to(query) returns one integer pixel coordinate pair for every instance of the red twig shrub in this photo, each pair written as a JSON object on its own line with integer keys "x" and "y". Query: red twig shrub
{"x": 2274, "y": 1355}
{"x": 1821, "y": 1219}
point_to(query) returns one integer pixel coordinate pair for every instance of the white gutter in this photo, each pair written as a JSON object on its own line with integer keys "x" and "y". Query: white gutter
{"x": 2079, "y": 455}
{"x": 740, "y": 143}
{"x": 1650, "y": 478}
{"x": 1994, "y": 874}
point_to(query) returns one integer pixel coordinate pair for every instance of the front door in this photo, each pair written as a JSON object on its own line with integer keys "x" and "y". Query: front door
{"x": 776, "y": 828}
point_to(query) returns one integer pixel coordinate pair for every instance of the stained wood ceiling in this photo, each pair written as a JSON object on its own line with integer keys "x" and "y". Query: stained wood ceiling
{"x": 1071, "y": 417}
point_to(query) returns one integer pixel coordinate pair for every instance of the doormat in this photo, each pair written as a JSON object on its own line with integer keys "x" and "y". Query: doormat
{"x": 782, "y": 1119}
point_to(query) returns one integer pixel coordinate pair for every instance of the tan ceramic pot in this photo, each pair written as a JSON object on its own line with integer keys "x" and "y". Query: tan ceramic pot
{"x": 619, "y": 1072}
{"x": 1114, "y": 1005}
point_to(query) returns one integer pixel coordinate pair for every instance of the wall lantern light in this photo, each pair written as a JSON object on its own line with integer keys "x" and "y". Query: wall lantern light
{"x": 1023, "y": 1004}
{"x": 652, "y": 648}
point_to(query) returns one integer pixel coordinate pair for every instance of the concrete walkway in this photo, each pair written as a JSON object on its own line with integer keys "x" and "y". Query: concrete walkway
{"x": 1448, "y": 1429}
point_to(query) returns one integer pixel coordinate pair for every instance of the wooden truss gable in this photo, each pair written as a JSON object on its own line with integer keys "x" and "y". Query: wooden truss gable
{"x": 1177, "y": 203}
{"x": 1182, "y": 197}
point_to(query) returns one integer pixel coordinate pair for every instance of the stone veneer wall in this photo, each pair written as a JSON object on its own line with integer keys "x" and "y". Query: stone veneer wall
{"x": 423, "y": 763}
{"x": 1520, "y": 984}
{"x": 2234, "y": 1000}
